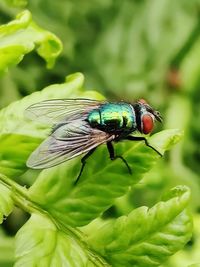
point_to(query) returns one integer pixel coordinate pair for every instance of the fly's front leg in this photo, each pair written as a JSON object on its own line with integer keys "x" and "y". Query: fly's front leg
{"x": 113, "y": 156}
{"x": 83, "y": 161}
{"x": 141, "y": 138}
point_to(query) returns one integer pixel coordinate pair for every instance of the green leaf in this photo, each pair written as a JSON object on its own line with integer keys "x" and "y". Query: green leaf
{"x": 19, "y": 136}
{"x": 21, "y": 36}
{"x": 166, "y": 140}
{"x": 7, "y": 250}
{"x": 102, "y": 180}
{"x": 146, "y": 237}
{"x": 40, "y": 243}
{"x": 6, "y": 203}
{"x": 14, "y": 151}
{"x": 16, "y": 3}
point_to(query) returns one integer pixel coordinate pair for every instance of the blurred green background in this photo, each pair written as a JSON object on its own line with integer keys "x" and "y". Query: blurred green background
{"x": 126, "y": 50}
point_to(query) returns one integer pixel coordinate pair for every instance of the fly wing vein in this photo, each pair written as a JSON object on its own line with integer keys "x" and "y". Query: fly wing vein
{"x": 61, "y": 110}
{"x": 67, "y": 142}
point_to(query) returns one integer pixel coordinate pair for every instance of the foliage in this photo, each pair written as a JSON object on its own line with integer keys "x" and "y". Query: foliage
{"x": 110, "y": 218}
{"x": 58, "y": 205}
{"x": 21, "y": 36}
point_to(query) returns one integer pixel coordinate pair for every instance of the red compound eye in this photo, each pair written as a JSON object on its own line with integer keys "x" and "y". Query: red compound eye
{"x": 147, "y": 123}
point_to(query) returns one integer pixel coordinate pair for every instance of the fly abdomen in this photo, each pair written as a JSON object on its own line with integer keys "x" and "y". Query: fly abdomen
{"x": 113, "y": 117}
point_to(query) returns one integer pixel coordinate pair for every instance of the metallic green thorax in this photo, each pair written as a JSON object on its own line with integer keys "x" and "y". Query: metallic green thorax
{"x": 113, "y": 117}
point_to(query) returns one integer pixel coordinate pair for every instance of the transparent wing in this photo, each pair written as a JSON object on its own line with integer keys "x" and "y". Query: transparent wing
{"x": 67, "y": 142}
{"x": 61, "y": 110}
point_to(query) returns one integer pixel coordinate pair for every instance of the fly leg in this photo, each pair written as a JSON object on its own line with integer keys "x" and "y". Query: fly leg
{"x": 113, "y": 156}
{"x": 83, "y": 162}
{"x": 141, "y": 138}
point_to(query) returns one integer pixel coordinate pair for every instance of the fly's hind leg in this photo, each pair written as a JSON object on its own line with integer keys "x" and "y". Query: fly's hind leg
{"x": 141, "y": 138}
{"x": 83, "y": 162}
{"x": 113, "y": 156}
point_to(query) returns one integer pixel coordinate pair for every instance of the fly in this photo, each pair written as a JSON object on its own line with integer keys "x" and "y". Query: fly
{"x": 81, "y": 125}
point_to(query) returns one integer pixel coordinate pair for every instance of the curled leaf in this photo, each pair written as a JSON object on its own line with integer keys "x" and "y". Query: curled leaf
{"x": 146, "y": 237}
{"x": 21, "y": 36}
{"x": 174, "y": 136}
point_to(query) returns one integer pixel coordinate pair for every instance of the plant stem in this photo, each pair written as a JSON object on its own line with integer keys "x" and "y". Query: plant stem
{"x": 21, "y": 199}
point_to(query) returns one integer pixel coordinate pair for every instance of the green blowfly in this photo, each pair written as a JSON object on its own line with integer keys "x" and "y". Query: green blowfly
{"x": 81, "y": 125}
